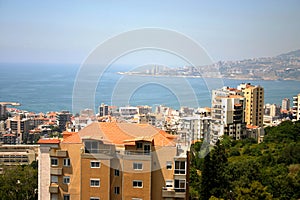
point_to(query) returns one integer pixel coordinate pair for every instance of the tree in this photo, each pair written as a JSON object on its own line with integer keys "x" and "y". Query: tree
{"x": 206, "y": 177}
{"x": 218, "y": 168}
{"x": 213, "y": 177}
{"x": 19, "y": 182}
{"x": 255, "y": 191}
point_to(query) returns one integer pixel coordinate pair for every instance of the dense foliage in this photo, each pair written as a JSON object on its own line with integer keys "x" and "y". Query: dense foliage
{"x": 247, "y": 170}
{"x": 19, "y": 182}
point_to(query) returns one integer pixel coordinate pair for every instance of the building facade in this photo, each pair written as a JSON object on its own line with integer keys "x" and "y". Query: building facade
{"x": 19, "y": 126}
{"x": 296, "y": 107}
{"x": 254, "y": 110}
{"x": 109, "y": 160}
{"x": 285, "y": 104}
{"x": 103, "y": 110}
{"x": 228, "y": 107}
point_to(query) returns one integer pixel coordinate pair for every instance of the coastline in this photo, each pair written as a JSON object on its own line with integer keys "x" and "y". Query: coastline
{"x": 226, "y": 77}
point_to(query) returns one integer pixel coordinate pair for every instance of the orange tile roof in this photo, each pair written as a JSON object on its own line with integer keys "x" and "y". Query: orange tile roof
{"x": 251, "y": 126}
{"x": 48, "y": 141}
{"x": 238, "y": 104}
{"x": 73, "y": 138}
{"x": 126, "y": 133}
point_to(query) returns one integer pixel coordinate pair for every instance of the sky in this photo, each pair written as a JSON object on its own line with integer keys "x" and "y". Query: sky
{"x": 67, "y": 31}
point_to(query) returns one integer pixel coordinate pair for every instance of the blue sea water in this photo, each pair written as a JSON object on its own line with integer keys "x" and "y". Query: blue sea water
{"x": 49, "y": 87}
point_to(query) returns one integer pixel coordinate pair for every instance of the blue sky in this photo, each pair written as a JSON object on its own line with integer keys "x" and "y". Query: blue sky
{"x": 66, "y": 31}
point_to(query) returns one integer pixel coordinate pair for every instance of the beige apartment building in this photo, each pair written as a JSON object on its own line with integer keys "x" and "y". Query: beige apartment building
{"x": 109, "y": 160}
{"x": 254, "y": 110}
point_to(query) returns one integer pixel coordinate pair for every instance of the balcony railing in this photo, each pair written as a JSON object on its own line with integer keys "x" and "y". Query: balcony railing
{"x": 172, "y": 193}
{"x": 99, "y": 151}
{"x": 56, "y": 171}
{"x": 53, "y": 188}
{"x": 58, "y": 153}
{"x": 61, "y": 153}
{"x": 137, "y": 152}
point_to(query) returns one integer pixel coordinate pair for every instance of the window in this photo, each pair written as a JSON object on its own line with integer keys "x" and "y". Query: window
{"x": 54, "y": 179}
{"x": 147, "y": 149}
{"x": 67, "y": 162}
{"x": 139, "y": 145}
{"x": 179, "y": 167}
{"x": 66, "y": 179}
{"x": 54, "y": 196}
{"x": 66, "y": 197}
{"x": 179, "y": 184}
{"x": 95, "y": 164}
{"x": 95, "y": 182}
{"x": 169, "y": 183}
{"x": 54, "y": 161}
{"x": 138, "y": 166}
{"x": 117, "y": 190}
{"x": 94, "y": 198}
{"x": 91, "y": 146}
{"x": 137, "y": 184}
{"x": 169, "y": 165}
{"x": 117, "y": 172}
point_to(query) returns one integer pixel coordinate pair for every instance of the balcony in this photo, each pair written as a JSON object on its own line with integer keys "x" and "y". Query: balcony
{"x": 58, "y": 153}
{"x": 56, "y": 171}
{"x": 136, "y": 154}
{"x": 53, "y": 188}
{"x": 61, "y": 153}
{"x": 171, "y": 193}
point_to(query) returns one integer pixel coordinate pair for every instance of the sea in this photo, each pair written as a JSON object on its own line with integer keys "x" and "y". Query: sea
{"x": 50, "y": 87}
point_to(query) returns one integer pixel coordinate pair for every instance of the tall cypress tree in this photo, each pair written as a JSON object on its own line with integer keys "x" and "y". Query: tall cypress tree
{"x": 219, "y": 182}
{"x": 206, "y": 178}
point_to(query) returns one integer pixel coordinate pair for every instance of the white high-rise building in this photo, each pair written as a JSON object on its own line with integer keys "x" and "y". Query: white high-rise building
{"x": 296, "y": 107}
{"x": 227, "y": 114}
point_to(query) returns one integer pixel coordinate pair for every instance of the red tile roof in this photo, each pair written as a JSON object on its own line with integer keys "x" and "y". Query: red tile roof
{"x": 48, "y": 141}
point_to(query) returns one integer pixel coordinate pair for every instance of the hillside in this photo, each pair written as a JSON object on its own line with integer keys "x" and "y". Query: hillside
{"x": 282, "y": 67}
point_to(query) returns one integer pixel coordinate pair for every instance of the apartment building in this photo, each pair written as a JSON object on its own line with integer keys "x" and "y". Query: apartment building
{"x": 18, "y": 154}
{"x": 103, "y": 110}
{"x": 228, "y": 106}
{"x": 197, "y": 127}
{"x": 285, "y": 104}
{"x": 254, "y": 110}
{"x": 19, "y": 126}
{"x": 63, "y": 118}
{"x": 109, "y": 160}
{"x": 296, "y": 107}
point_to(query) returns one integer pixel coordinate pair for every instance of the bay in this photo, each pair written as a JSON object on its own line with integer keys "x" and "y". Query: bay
{"x": 49, "y": 87}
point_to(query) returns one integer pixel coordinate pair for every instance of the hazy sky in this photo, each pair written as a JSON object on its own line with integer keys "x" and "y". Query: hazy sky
{"x": 66, "y": 31}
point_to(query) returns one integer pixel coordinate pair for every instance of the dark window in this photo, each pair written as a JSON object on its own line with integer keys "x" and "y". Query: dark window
{"x": 179, "y": 167}
{"x": 137, "y": 184}
{"x": 66, "y": 197}
{"x": 117, "y": 190}
{"x": 139, "y": 145}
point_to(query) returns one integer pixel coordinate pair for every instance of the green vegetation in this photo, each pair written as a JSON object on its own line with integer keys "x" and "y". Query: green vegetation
{"x": 247, "y": 170}
{"x": 19, "y": 182}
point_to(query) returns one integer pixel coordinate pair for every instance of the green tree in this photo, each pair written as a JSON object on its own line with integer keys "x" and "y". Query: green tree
{"x": 206, "y": 177}
{"x": 255, "y": 191}
{"x": 219, "y": 182}
{"x": 19, "y": 183}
